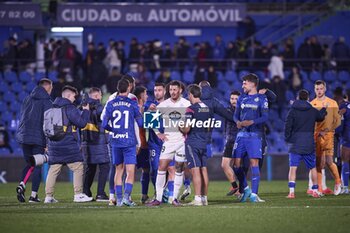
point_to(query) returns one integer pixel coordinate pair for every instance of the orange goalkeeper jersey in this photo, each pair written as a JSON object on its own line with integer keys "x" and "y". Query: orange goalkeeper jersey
{"x": 332, "y": 119}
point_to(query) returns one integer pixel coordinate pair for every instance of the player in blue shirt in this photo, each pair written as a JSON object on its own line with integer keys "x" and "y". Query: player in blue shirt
{"x": 250, "y": 114}
{"x": 344, "y": 131}
{"x": 119, "y": 118}
{"x": 196, "y": 144}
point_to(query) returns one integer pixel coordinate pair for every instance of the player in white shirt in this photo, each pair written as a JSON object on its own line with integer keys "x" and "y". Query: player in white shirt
{"x": 172, "y": 111}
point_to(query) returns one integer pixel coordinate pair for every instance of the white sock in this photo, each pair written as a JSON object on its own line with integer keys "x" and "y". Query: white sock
{"x": 291, "y": 190}
{"x": 310, "y": 181}
{"x": 198, "y": 198}
{"x": 179, "y": 178}
{"x": 33, "y": 194}
{"x": 324, "y": 186}
{"x": 111, "y": 196}
{"x": 204, "y": 198}
{"x": 160, "y": 182}
{"x": 23, "y": 184}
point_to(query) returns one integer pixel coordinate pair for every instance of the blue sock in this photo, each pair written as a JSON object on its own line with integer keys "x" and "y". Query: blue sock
{"x": 255, "y": 179}
{"x": 119, "y": 192}
{"x": 345, "y": 173}
{"x": 111, "y": 179}
{"x": 127, "y": 190}
{"x": 171, "y": 188}
{"x": 314, "y": 187}
{"x": 144, "y": 183}
{"x": 187, "y": 182}
{"x": 241, "y": 178}
{"x": 154, "y": 178}
{"x": 291, "y": 184}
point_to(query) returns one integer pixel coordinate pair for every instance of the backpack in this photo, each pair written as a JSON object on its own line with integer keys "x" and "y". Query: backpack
{"x": 53, "y": 126}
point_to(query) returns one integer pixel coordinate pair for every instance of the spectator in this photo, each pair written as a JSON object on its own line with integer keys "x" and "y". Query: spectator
{"x": 164, "y": 77}
{"x": 305, "y": 54}
{"x": 67, "y": 151}
{"x": 27, "y": 56}
{"x": 289, "y": 53}
{"x": 112, "y": 80}
{"x": 212, "y": 76}
{"x": 316, "y": 51}
{"x": 182, "y": 53}
{"x": 112, "y": 60}
{"x": 10, "y": 54}
{"x": 121, "y": 54}
{"x": 167, "y": 56}
{"x": 276, "y": 66}
{"x": 95, "y": 147}
{"x": 4, "y": 138}
{"x": 141, "y": 75}
{"x": 341, "y": 52}
{"x": 231, "y": 54}
{"x": 218, "y": 52}
{"x": 31, "y": 137}
{"x": 134, "y": 51}
{"x": 295, "y": 80}
{"x": 202, "y": 56}
{"x": 101, "y": 52}
{"x": 279, "y": 88}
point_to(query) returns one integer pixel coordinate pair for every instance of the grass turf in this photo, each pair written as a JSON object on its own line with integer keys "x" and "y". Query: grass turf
{"x": 224, "y": 214}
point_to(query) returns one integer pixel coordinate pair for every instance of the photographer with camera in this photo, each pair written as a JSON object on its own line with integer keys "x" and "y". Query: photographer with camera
{"x": 95, "y": 146}
{"x": 63, "y": 148}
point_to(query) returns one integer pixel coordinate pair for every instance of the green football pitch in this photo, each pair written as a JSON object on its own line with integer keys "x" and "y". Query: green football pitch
{"x": 224, "y": 214}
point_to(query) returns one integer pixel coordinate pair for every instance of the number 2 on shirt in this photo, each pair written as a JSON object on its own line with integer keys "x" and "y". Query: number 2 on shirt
{"x": 118, "y": 115}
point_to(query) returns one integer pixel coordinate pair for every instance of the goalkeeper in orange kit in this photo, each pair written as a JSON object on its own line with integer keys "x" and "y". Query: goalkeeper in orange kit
{"x": 324, "y": 136}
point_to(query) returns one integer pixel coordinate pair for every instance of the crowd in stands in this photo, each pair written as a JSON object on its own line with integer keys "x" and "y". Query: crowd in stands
{"x": 284, "y": 69}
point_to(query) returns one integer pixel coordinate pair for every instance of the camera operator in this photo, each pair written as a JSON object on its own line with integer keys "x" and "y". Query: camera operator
{"x": 95, "y": 146}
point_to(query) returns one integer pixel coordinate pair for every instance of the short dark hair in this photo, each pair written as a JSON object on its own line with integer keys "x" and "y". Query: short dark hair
{"x": 123, "y": 85}
{"x": 44, "y": 81}
{"x": 195, "y": 90}
{"x": 139, "y": 90}
{"x": 175, "y": 83}
{"x": 235, "y": 93}
{"x": 303, "y": 94}
{"x": 253, "y": 78}
{"x": 159, "y": 85}
{"x": 128, "y": 77}
{"x": 70, "y": 88}
{"x": 320, "y": 82}
{"x": 94, "y": 89}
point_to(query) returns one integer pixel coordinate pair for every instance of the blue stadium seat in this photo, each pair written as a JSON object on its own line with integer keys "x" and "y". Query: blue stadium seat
{"x": 286, "y": 73}
{"x": 9, "y": 97}
{"x": 220, "y": 76}
{"x": 347, "y": 85}
{"x": 4, "y": 151}
{"x": 25, "y": 77}
{"x": 237, "y": 86}
{"x": 315, "y": 75}
{"x": 289, "y": 95}
{"x": 330, "y": 76}
{"x": 13, "y": 143}
{"x": 3, "y": 107}
{"x": 344, "y": 76}
{"x": 18, "y": 151}
{"x": 30, "y": 86}
{"x": 231, "y": 76}
{"x": 3, "y": 87}
{"x": 17, "y": 87}
{"x": 309, "y": 86}
{"x": 175, "y": 75}
{"x": 39, "y": 75}
{"x": 188, "y": 77}
{"x": 21, "y": 96}
{"x": 241, "y": 74}
{"x": 10, "y": 76}
{"x": 261, "y": 74}
{"x": 53, "y": 76}
{"x": 156, "y": 75}
{"x": 15, "y": 107}
{"x": 150, "y": 85}
{"x": 304, "y": 76}
{"x": 223, "y": 85}
{"x": 7, "y": 117}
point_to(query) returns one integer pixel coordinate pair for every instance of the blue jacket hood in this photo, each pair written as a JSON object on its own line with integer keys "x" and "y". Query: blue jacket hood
{"x": 207, "y": 93}
{"x": 60, "y": 102}
{"x": 301, "y": 105}
{"x": 39, "y": 93}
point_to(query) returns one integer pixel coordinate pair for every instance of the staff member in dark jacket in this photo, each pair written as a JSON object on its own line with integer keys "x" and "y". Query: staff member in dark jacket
{"x": 299, "y": 132}
{"x": 95, "y": 147}
{"x": 67, "y": 151}
{"x": 31, "y": 136}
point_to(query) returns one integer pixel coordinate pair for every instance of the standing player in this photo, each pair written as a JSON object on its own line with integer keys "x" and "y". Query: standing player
{"x": 345, "y": 144}
{"x": 324, "y": 136}
{"x": 119, "y": 118}
{"x": 299, "y": 131}
{"x": 231, "y": 131}
{"x": 155, "y": 144}
{"x": 196, "y": 145}
{"x": 173, "y": 110}
{"x": 143, "y": 153}
{"x": 250, "y": 115}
